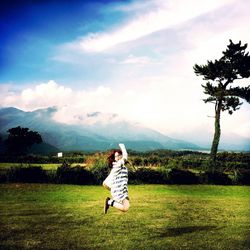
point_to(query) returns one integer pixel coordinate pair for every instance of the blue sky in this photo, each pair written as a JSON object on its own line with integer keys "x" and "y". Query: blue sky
{"x": 134, "y": 58}
{"x": 32, "y": 30}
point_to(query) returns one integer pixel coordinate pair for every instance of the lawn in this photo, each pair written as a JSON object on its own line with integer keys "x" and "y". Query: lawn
{"x": 46, "y": 166}
{"x": 41, "y": 216}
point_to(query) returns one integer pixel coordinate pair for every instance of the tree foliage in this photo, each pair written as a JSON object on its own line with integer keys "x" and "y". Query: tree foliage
{"x": 219, "y": 75}
{"x": 233, "y": 65}
{"x": 20, "y": 140}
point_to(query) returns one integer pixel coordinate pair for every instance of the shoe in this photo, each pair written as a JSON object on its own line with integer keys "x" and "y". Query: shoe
{"x": 106, "y": 205}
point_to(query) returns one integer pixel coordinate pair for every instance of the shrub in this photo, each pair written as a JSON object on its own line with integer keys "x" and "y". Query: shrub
{"x": 208, "y": 166}
{"x": 145, "y": 162}
{"x": 100, "y": 172}
{"x": 73, "y": 175}
{"x": 3, "y": 178}
{"x": 99, "y": 167}
{"x": 26, "y": 174}
{"x": 192, "y": 163}
{"x": 154, "y": 160}
{"x": 146, "y": 175}
{"x": 180, "y": 176}
{"x": 137, "y": 161}
{"x": 51, "y": 175}
{"x": 216, "y": 177}
{"x": 231, "y": 166}
{"x": 174, "y": 164}
{"x": 242, "y": 176}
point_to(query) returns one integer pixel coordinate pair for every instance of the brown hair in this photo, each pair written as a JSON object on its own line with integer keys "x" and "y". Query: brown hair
{"x": 111, "y": 157}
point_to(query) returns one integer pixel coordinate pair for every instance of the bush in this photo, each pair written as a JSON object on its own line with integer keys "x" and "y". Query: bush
{"x": 3, "y": 178}
{"x": 179, "y": 176}
{"x": 99, "y": 168}
{"x": 137, "y": 161}
{"x": 192, "y": 163}
{"x": 154, "y": 160}
{"x": 147, "y": 176}
{"x": 100, "y": 173}
{"x": 242, "y": 177}
{"x": 51, "y": 176}
{"x": 218, "y": 178}
{"x": 208, "y": 166}
{"x": 26, "y": 174}
{"x": 174, "y": 164}
{"x": 74, "y": 175}
{"x": 231, "y": 166}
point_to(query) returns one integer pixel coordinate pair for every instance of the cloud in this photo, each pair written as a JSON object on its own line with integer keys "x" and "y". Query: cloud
{"x": 166, "y": 104}
{"x": 133, "y": 6}
{"x": 165, "y": 16}
{"x": 131, "y": 59}
{"x": 52, "y": 94}
{"x": 46, "y": 93}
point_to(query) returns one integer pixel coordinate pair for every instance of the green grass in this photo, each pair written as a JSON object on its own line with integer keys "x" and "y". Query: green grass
{"x": 49, "y": 166}
{"x": 40, "y": 216}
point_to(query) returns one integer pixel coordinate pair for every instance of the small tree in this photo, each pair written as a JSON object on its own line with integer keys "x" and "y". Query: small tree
{"x": 220, "y": 74}
{"x": 20, "y": 140}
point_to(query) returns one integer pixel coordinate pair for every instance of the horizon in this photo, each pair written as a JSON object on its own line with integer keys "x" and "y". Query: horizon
{"x": 131, "y": 58}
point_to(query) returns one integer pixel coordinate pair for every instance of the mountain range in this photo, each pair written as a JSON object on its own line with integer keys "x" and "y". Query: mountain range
{"x": 94, "y": 135}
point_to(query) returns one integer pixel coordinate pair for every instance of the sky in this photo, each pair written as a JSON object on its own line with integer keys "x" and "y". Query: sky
{"x": 133, "y": 58}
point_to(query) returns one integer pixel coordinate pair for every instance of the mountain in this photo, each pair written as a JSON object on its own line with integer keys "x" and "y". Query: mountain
{"x": 229, "y": 141}
{"x": 95, "y": 131}
{"x": 234, "y": 142}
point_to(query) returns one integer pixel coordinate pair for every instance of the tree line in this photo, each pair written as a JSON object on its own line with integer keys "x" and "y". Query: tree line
{"x": 66, "y": 174}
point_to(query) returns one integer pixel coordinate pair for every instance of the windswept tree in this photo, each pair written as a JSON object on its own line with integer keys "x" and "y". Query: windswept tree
{"x": 219, "y": 75}
{"x": 20, "y": 140}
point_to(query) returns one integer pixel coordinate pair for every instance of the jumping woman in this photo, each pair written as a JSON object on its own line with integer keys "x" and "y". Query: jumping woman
{"x": 117, "y": 181}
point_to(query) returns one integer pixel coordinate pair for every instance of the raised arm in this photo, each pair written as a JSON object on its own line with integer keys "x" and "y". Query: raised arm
{"x": 124, "y": 151}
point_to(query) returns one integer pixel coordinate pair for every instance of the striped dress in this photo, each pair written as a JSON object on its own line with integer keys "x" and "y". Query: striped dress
{"x": 119, "y": 186}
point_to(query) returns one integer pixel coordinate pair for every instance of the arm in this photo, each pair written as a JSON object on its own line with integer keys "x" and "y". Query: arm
{"x": 124, "y": 151}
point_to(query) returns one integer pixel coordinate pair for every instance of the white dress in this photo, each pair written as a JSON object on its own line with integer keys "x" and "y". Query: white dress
{"x": 119, "y": 186}
{"x": 117, "y": 179}
{"x": 109, "y": 179}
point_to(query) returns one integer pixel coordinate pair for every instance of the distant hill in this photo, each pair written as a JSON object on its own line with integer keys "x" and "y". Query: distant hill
{"x": 97, "y": 135}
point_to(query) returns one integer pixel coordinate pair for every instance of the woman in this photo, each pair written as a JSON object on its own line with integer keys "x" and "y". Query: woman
{"x": 117, "y": 181}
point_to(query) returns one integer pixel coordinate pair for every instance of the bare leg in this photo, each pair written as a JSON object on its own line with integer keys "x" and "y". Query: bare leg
{"x": 124, "y": 206}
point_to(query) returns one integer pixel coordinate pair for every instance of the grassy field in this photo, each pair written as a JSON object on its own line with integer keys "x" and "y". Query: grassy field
{"x": 35, "y": 216}
{"x": 49, "y": 166}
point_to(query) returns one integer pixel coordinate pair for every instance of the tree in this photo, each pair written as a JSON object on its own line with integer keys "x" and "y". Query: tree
{"x": 234, "y": 65}
{"x": 21, "y": 139}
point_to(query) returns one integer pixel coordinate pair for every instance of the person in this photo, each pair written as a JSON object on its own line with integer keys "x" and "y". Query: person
{"x": 117, "y": 181}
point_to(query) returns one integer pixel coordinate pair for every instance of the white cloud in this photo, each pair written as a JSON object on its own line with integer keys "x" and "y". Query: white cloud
{"x": 45, "y": 95}
{"x": 167, "y": 14}
{"x": 133, "y": 6}
{"x": 131, "y": 59}
{"x": 52, "y": 94}
{"x": 167, "y": 104}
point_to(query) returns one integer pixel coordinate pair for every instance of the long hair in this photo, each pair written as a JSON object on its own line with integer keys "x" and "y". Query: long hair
{"x": 111, "y": 157}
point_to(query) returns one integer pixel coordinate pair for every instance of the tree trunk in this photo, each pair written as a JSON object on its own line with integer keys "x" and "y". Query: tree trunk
{"x": 216, "y": 138}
